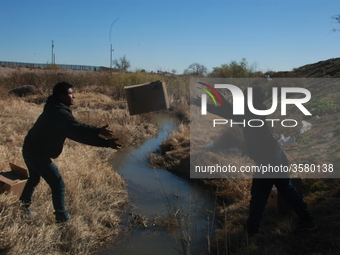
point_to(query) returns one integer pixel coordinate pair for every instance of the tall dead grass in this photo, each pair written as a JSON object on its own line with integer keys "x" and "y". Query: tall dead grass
{"x": 95, "y": 193}
{"x": 109, "y": 83}
{"x": 319, "y": 145}
{"x": 174, "y": 153}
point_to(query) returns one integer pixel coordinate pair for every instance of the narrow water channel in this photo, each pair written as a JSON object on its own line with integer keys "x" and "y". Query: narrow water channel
{"x": 155, "y": 193}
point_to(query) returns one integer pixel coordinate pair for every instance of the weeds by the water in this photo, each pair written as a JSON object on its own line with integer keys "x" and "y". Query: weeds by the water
{"x": 185, "y": 223}
{"x": 95, "y": 193}
{"x": 316, "y": 146}
{"x": 95, "y": 209}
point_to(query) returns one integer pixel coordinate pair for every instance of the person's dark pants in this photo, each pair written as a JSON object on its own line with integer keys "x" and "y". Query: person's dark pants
{"x": 262, "y": 186}
{"x": 45, "y": 168}
{"x": 259, "y": 195}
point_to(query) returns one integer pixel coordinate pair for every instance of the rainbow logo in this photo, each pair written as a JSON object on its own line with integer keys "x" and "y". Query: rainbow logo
{"x": 210, "y": 94}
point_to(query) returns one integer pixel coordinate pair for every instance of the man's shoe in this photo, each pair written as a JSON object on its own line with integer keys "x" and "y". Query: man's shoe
{"x": 63, "y": 220}
{"x": 27, "y": 211}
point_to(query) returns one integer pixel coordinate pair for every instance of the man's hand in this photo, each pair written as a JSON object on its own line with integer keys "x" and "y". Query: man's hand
{"x": 104, "y": 131}
{"x": 114, "y": 145}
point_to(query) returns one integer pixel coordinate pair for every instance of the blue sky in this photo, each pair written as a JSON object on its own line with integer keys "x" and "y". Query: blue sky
{"x": 166, "y": 35}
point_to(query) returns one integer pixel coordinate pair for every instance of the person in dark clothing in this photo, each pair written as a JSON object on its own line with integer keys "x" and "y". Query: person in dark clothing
{"x": 262, "y": 147}
{"x": 45, "y": 140}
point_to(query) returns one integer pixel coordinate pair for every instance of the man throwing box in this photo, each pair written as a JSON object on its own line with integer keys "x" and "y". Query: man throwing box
{"x": 45, "y": 140}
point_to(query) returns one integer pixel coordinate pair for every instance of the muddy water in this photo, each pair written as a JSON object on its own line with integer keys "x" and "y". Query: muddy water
{"x": 156, "y": 193}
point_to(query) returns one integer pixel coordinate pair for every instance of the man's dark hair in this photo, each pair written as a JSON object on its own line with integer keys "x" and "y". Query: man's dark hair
{"x": 61, "y": 88}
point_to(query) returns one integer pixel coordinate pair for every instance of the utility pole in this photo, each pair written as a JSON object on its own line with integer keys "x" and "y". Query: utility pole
{"x": 52, "y": 60}
{"x": 111, "y": 43}
{"x": 111, "y": 55}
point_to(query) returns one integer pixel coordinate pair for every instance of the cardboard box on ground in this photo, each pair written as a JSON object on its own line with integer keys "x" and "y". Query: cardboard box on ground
{"x": 147, "y": 97}
{"x": 13, "y": 181}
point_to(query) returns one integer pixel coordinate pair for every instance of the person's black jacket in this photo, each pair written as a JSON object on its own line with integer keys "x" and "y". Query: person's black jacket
{"x": 46, "y": 138}
{"x": 260, "y": 143}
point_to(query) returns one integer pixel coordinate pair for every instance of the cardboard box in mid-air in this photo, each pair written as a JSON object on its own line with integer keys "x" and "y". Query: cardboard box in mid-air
{"x": 13, "y": 181}
{"x": 147, "y": 97}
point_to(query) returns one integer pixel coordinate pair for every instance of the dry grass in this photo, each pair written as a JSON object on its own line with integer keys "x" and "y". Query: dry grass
{"x": 108, "y": 83}
{"x": 95, "y": 193}
{"x": 233, "y": 196}
{"x": 174, "y": 153}
{"x": 95, "y": 208}
{"x": 319, "y": 145}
